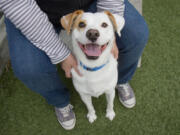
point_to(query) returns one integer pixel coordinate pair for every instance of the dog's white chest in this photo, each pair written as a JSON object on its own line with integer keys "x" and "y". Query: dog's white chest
{"x": 96, "y": 83}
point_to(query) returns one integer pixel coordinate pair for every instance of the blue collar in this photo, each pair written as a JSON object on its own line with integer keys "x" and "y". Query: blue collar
{"x": 92, "y": 69}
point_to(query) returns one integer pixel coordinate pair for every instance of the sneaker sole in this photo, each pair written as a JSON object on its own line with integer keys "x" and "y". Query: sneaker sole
{"x": 68, "y": 127}
{"x": 127, "y": 105}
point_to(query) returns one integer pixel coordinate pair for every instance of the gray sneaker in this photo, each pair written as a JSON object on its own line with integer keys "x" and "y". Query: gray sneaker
{"x": 66, "y": 117}
{"x": 126, "y": 95}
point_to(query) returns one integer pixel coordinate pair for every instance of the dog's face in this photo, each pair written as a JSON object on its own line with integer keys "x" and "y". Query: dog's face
{"x": 92, "y": 34}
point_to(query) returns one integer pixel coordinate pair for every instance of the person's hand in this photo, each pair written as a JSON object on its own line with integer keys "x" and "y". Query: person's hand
{"x": 115, "y": 50}
{"x": 69, "y": 63}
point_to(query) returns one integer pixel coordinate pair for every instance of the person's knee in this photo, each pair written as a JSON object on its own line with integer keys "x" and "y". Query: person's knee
{"x": 133, "y": 36}
{"x": 133, "y": 42}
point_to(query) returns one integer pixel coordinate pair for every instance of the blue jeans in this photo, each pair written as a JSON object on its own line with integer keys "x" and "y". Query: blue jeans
{"x": 33, "y": 67}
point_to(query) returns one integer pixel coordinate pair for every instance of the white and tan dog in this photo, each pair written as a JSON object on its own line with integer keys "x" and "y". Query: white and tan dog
{"x": 93, "y": 36}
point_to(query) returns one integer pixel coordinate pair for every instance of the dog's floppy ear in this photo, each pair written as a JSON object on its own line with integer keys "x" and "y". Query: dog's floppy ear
{"x": 67, "y": 21}
{"x": 117, "y": 20}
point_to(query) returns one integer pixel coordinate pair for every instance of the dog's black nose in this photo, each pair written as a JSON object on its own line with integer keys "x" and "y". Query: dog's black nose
{"x": 92, "y": 34}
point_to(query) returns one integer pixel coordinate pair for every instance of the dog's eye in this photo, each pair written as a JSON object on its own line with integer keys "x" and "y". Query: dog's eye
{"x": 82, "y": 25}
{"x": 104, "y": 25}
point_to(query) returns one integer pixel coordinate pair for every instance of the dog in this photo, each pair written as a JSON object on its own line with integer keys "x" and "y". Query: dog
{"x": 93, "y": 36}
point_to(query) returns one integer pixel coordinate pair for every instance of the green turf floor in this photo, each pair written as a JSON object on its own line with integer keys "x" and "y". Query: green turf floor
{"x": 156, "y": 84}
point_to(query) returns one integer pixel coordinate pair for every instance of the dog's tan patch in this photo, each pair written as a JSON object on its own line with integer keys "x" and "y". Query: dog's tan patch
{"x": 77, "y": 22}
{"x": 111, "y": 17}
{"x": 68, "y": 21}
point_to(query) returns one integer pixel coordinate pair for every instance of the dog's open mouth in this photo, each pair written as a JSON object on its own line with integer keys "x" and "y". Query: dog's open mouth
{"x": 91, "y": 50}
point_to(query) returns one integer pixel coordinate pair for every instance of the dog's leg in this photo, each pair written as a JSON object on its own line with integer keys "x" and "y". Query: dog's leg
{"x": 88, "y": 102}
{"x": 110, "y": 114}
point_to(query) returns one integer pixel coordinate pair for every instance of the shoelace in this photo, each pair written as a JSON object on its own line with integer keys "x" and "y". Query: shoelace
{"x": 65, "y": 111}
{"x": 125, "y": 88}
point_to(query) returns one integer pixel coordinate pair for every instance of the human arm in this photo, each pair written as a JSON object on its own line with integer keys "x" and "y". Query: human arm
{"x": 34, "y": 24}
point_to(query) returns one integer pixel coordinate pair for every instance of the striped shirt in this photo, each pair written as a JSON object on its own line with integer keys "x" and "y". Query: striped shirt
{"x": 35, "y": 25}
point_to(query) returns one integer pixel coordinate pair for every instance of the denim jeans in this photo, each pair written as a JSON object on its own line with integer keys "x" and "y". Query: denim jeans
{"x": 33, "y": 67}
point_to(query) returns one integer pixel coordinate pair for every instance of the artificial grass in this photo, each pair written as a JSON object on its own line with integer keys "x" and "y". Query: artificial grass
{"x": 156, "y": 84}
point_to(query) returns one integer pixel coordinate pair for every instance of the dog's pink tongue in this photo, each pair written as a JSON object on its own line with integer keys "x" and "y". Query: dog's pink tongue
{"x": 92, "y": 50}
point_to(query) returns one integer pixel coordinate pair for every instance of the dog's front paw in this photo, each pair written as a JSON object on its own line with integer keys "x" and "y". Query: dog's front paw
{"x": 91, "y": 117}
{"x": 110, "y": 115}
